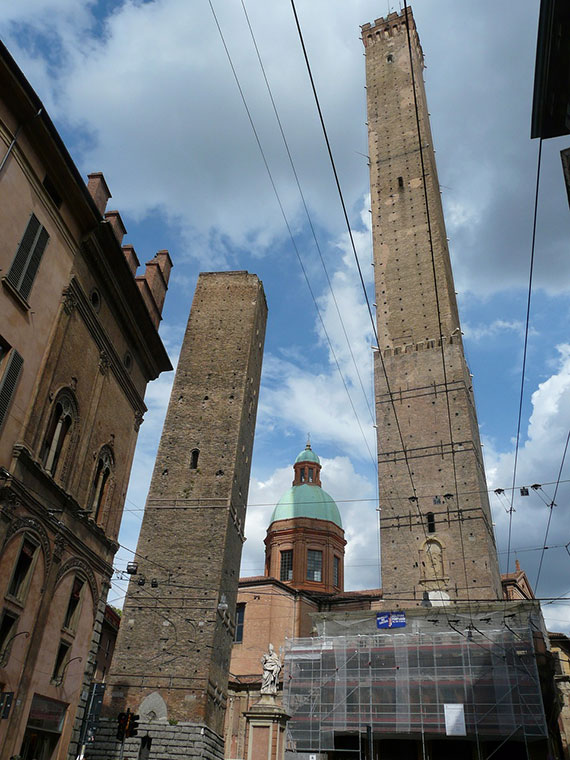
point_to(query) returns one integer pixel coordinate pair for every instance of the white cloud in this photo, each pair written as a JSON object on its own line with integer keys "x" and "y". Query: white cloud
{"x": 492, "y": 330}
{"x": 539, "y": 460}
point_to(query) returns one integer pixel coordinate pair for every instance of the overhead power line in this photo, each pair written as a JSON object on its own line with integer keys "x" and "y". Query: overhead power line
{"x": 288, "y": 226}
{"x": 525, "y": 348}
{"x": 551, "y": 505}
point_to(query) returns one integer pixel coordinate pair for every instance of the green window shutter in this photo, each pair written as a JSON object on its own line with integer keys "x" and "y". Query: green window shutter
{"x": 8, "y": 382}
{"x": 28, "y": 256}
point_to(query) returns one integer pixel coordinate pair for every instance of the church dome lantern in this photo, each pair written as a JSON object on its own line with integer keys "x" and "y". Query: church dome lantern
{"x": 305, "y": 539}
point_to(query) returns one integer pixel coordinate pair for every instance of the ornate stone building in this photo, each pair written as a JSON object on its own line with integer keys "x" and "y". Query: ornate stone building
{"x": 436, "y": 529}
{"x": 78, "y": 345}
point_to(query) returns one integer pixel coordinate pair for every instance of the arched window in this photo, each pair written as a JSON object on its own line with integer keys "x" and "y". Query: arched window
{"x": 430, "y": 519}
{"x": 101, "y": 481}
{"x": 432, "y": 560}
{"x": 194, "y": 454}
{"x": 58, "y": 436}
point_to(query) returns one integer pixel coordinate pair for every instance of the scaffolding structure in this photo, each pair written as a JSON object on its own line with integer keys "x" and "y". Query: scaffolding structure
{"x": 481, "y": 684}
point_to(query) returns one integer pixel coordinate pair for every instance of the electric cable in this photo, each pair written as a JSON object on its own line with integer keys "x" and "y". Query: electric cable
{"x": 294, "y": 244}
{"x": 307, "y": 214}
{"x": 525, "y": 347}
{"x": 552, "y": 505}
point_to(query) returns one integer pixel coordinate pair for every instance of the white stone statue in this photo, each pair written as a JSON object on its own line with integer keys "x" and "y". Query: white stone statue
{"x": 271, "y": 669}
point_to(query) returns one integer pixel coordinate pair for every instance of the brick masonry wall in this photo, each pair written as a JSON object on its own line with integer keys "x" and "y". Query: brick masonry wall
{"x": 427, "y": 423}
{"x": 184, "y": 741}
{"x": 173, "y": 640}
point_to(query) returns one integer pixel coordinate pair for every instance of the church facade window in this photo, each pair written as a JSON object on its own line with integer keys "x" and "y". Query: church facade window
{"x": 430, "y": 520}
{"x": 286, "y": 570}
{"x": 314, "y": 565}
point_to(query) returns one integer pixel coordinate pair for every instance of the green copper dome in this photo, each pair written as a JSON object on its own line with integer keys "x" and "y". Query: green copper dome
{"x": 307, "y": 501}
{"x": 307, "y": 455}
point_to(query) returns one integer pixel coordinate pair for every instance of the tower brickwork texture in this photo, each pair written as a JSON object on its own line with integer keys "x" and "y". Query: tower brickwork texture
{"x": 171, "y": 663}
{"x": 436, "y": 530}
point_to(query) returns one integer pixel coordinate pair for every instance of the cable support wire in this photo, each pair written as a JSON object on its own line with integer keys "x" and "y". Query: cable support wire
{"x": 305, "y": 207}
{"x": 551, "y": 505}
{"x": 525, "y": 347}
{"x": 289, "y": 230}
{"x": 346, "y": 501}
{"x": 310, "y": 221}
{"x": 355, "y": 254}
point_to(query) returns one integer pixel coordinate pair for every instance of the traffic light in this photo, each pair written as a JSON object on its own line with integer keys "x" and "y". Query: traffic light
{"x": 122, "y": 722}
{"x": 132, "y": 725}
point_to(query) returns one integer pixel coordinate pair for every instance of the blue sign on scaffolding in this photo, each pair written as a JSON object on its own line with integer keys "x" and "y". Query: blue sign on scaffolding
{"x": 391, "y": 620}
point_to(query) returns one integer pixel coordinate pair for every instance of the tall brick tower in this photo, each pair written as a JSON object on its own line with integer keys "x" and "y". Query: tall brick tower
{"x": 436, "y": 529}
{"x": 171, "y": 663}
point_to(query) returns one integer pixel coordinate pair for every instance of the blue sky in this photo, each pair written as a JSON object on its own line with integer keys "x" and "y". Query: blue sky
{"x": 144, "y": 93}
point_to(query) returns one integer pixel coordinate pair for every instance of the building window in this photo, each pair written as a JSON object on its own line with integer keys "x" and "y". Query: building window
{"x": 556, "y": 655}
{"x": 302, "y": 475}
{"x": 8, "y": 626}
{"x": 194, "y": 454}
{"x": 58, "y": 433}
{"x": 311, "y": 474}
{"x": 101, "y": 481}
{"x": 61, "y": 661}
{"x": 240, "y": 614}
{"x": 23, "y": 570}
{"x": 430, "y": 519}
{"x": 314, "y": 565}
{"x": 74, "y": 605}
{"x": 336, "y": 571}
{"x": 286, "y": 573}
{"x": 11, "y": 366}
{"x": 28, "y": 256}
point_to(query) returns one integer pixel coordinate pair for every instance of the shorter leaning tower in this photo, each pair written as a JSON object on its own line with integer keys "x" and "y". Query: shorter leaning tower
{"x": 171, "y": 662}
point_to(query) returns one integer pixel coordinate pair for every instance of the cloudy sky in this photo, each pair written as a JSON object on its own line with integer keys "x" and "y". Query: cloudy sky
{"x": 144, "y": 92}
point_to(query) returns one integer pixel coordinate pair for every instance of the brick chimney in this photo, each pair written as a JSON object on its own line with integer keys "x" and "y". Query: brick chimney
{"x": 114, "y": 219}
{"x": 131, "y": 257}
{"x": 154, "y": 284}
{"x": 98, "y": 190}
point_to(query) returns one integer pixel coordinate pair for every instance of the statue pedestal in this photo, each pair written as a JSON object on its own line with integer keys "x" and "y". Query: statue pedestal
{"x": 265, "y": 738}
